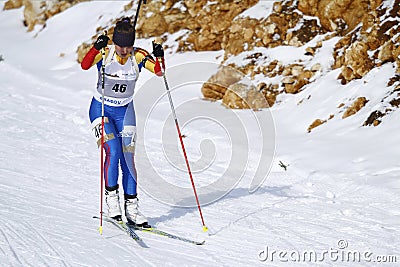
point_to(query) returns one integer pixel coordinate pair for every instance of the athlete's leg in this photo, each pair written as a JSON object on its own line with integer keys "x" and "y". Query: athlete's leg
{"x": 129, "y": 176}
{"x": 128, "y": 141}
{"x": 112, "y": 146}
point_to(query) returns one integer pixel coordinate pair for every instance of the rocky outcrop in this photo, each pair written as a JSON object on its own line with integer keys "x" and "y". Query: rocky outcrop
{"x": 369, "y": 38}
{"x": 390, "y": 103}
{"x": 371, "y": 44}
{"x": 214, "y": 25}
{"x": 36, "y": 12}
{"x": 356, "y": 62}
{"x": 340, "y": 16}
{"x": 207, "y": 22}
{"x": 355, "y": 107}
{"x": 227, "y": 85}
{"x": 368, "y": 32}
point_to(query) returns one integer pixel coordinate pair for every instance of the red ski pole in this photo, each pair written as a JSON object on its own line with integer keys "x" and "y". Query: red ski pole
{"x": 161, "y": 60}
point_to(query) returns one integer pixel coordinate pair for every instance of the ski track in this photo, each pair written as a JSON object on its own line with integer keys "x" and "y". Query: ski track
{"x": 21, "y": 248}
{"x": 58, "y": 255}
{"x": 277, "y": 201}
{"x": 10, "y": 248}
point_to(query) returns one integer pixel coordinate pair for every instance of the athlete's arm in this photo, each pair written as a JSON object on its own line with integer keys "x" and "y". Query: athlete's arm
{"x": 143, "y": 57}
{"x": 91, "y": 58}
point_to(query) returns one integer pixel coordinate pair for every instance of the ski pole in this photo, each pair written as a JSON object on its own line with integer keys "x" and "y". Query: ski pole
{"x": 161, "y": 60}
{"x": 137, "y": 12}
{"x": 103, "y": 55}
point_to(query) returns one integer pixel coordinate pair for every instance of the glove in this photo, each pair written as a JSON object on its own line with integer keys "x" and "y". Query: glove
{"x": 158, "y": 50}
{"x": 101, "y": 42}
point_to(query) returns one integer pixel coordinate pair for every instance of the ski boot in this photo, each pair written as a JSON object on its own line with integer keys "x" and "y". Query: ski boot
{"x": 132, "y": 213}
{"x": 112, "y": 200}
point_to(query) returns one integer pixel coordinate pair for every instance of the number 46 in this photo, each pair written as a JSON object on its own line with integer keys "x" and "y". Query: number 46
{"x": 119, "y": 88}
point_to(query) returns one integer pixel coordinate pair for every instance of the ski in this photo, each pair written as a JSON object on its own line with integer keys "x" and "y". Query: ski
{"x": 125, "y": 228}
{"x": 130, "y": 230}
{"x": 156, "y": 231}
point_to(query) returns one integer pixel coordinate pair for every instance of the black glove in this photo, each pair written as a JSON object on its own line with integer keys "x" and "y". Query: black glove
{"x": 101, "y": 42}
{"x": 158, "y": 50}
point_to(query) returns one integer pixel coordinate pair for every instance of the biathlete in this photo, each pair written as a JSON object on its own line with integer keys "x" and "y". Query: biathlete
{"x": 122, "y": 66}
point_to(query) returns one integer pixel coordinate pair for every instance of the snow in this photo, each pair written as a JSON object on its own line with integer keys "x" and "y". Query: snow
{"x": 339, "y": 194}
{"x": 261, "y": 10}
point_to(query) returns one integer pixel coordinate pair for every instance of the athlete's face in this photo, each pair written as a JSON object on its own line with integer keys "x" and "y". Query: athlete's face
{"x": 123, "y": 52}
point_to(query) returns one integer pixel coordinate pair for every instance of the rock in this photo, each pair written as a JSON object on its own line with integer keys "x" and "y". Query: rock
{"x": 297, "y": 70}
{"x": 374, "y": 118}
{"x": 33, "y": 14}
{"x": 338, "y": 15}
{"x": 295, "y": 78}
{"x": 358, "y": 104}
{"x": 316, "y": 67}
{"x": 386, "y": 52}
{"x": 310, "y": 51}
{"x": 242, "y": 96}
{"x": 12, "y": 4}
{"x": 218, "y": 83}
{"x": 288, "y": 80}
{"x": 356, "y": 62}
{"x": 395, "y": 102}
{"x": 235, "y": 97}
{"x": 155, "y": 25}
{"x": 37, "y": 12}
{"x": 315, "y": 124}
{"x": 213, "y": 91}
{"x": 256, "y": 100}
{"x": 270, "y": 92}
{"x": 305, "y": 75}
{"x": 294, "y": 88}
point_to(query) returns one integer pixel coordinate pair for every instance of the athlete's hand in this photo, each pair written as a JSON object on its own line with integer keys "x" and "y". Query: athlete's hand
{"x": 101, "y": 42}
{"x": 158, "y": 50}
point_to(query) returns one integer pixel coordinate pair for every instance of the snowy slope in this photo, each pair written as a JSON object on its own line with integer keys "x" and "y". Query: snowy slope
{"x": 341, "y": 186}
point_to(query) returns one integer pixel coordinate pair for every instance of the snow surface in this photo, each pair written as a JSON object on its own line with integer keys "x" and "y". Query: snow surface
{"x": 338, "y": 196}
{"x": 260, "y": 10}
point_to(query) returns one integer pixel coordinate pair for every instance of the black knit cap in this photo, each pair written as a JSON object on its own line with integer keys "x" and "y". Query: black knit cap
{"x": 124, "y": 33}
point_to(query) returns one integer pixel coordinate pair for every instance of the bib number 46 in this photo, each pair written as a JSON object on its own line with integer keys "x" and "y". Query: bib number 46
{"x": 121, "y": 88}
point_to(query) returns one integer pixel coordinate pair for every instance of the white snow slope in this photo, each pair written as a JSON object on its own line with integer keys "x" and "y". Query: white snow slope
{"x": 336, "y": 204}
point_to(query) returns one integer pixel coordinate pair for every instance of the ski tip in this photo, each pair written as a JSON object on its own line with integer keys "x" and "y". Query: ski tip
{"x": 205, "y": 229}
{"x": 101, "y": 230}
{"x": 201, "y": 243}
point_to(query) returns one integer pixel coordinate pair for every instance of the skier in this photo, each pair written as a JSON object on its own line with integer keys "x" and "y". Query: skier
{"x": 123, "y": 63}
